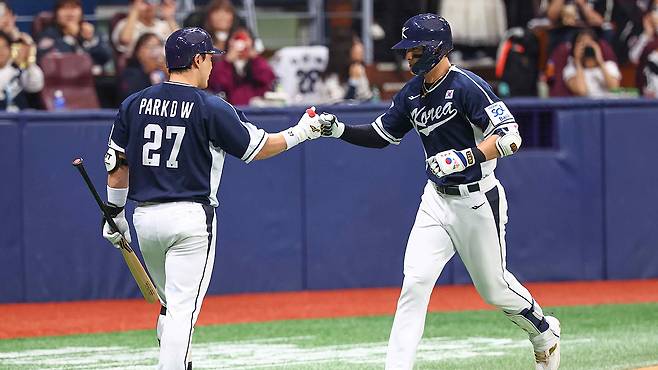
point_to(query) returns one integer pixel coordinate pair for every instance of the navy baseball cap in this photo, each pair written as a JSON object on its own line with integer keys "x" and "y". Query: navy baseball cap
{"x": 183, "y": 44}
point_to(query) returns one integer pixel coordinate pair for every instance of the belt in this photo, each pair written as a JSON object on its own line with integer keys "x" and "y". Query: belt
{"x": 152, "y": 203}
{"x": 454, "y": 189}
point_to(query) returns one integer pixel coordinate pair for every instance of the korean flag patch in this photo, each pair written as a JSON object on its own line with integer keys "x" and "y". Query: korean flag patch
{"x": 498, "y": 113}
{"x": 449, "y": 94}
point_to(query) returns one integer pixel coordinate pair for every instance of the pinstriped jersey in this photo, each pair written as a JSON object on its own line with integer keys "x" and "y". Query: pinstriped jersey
{"x": 457, "y": 112}
{"x": 175, "y": 137}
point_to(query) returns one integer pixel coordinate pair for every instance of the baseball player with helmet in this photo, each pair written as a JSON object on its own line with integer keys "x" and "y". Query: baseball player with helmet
{"x": 172, "y": 139}
{"x": 464, "y": 128}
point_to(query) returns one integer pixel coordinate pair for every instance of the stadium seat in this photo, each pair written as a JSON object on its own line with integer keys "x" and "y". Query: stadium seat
{"x": 70, "y": 73}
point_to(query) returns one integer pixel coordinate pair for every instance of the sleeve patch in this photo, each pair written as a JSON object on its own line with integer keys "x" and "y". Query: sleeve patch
{"x": 498, "y": 113}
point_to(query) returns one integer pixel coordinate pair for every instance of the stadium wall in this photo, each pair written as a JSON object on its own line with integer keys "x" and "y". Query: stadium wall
{"x": 330, "y": 215}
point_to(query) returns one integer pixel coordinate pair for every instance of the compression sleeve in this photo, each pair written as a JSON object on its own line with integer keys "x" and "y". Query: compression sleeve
{"x": 363, "y": 135}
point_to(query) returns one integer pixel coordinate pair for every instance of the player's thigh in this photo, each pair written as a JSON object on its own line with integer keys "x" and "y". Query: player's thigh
{"x": 429, "y": 248}
{"x": 481, "y": 238}
{"x": 189, "y": 261}
{"x": 147, "y": 221}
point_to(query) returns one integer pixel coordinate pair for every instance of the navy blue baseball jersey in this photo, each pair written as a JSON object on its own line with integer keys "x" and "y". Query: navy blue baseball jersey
{"x": 457, "y": 112}
{"x": 175, "y": 137}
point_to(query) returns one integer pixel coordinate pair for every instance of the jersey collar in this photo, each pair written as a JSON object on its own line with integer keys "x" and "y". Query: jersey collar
{"x": 178, "y": 83}
{"x": 437, "y": 83}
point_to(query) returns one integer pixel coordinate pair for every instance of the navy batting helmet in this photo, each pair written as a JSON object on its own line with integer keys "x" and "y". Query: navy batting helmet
{"x": 430, "y": 31}
{"x": 184, "y": 44}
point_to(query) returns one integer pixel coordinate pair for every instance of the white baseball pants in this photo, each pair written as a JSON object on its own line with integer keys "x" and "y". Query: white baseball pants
{"x": 177, "y": 241}
{"x": 473, "y": 225}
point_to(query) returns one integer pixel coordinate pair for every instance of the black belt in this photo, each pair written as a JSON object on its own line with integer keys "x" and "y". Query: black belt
{"x": 454, "y": 189}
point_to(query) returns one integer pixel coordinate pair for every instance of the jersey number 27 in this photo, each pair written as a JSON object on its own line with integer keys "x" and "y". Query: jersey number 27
{"x": 153, "y": 132}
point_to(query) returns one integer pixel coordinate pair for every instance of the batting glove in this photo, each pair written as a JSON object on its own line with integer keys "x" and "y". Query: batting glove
{"x": 119, "y": 216}
{"x": 308, "y": 128}
{"x": 330, "y": 125}
{"x": 450, "y": 161}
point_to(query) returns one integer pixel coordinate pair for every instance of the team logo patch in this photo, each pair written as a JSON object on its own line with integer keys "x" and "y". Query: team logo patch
{"x": 449, "y": 93}
{"x": 498, "y": 113}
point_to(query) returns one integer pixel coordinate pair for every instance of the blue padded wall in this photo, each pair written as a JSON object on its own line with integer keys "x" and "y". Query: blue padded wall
{"x": 12, "y": 255}
{"x": 631, "y": 184}
{"x": 331, "y": 215}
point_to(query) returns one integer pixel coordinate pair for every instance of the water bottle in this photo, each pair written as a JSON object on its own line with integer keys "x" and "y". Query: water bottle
{"x": 376, "y": 95}
{"x": 9, "y": 100}
{"x": 503, "y": 89}
{"x": 59, "y": 102}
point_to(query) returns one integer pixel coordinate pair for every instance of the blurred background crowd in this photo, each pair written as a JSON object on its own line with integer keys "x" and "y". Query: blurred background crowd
{"x": 73, "y": 54}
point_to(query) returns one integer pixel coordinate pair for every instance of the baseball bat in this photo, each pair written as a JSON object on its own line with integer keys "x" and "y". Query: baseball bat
{"x": 136, "y": 269}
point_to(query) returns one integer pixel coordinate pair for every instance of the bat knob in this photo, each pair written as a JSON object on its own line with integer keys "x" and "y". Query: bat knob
{"x": 77, "y": 162}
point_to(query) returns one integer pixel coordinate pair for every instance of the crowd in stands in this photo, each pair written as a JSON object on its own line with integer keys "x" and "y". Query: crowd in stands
{"x": 589, "y": 48}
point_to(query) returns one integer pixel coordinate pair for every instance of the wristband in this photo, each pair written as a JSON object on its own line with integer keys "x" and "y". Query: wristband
{"x": 293, "y": 136}
{"x": 473, "y": 156}
{"x": 116, "y": 196}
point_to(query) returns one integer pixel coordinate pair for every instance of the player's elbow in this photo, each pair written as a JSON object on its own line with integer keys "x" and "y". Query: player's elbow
{"x": 509, "y": 143}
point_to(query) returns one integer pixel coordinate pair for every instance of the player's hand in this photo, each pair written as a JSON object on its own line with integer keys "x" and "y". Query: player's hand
{"x": 447, "y": 162}
{"x": 119, "y": 218}
{"x": 330, "y": 126}
{"x": 309, "y": 124}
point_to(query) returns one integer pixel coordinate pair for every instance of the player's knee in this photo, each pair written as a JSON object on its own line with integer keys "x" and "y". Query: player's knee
{"x": 417, "y": 286}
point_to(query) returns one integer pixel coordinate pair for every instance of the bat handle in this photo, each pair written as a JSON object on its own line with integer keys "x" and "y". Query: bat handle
{"x": 78, "y": 164}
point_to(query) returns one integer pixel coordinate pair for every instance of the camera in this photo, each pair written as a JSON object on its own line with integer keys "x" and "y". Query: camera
{"x": 589, "y": 52}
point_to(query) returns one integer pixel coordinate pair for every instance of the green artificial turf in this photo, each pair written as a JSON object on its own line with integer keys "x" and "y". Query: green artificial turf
{"x": 593, "y": 337}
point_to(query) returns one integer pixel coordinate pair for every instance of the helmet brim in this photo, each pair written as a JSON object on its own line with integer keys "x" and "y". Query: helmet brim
{"x": 407, "y": 44}
{"x": 215, "y": 51}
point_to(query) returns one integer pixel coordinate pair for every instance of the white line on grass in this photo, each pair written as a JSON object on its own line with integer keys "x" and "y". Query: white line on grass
{"x": 259, "y": 353}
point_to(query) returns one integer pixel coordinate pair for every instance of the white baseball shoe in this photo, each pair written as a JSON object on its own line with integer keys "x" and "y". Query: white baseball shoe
{"x": 550, "y": 359}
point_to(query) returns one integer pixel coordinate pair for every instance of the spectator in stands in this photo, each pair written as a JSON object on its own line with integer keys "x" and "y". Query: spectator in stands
{"x": 587, "y": 73}
{"x": 8, "y": 25}
{"x": 568, "y": 16}
{"x": 18, "y": 74}
{"x": 146, "y": 67}
{"x": 142, "y": 18}
{"x": 477, "y": 28}
{"x": 241, "y": 73}
{"x": 220, "y": 21}
{"x": 345, "y": 78}
{"x": 571, "y": 12}
{"x": 70, "y": 34}
{"x": 647, "y": 72}
{"x": 649, "y": 34}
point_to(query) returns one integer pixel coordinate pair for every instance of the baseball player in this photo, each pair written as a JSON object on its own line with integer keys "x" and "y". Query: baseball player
{"x": 464, "y": 128}
{"x": 172, "y": 139}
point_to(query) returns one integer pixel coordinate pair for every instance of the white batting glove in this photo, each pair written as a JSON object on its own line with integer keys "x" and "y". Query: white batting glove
{"x": 330, "y": 125}
{"x": 115, "y": 237}
{"x": 449, "y": 161}
{"x": 308, "y": 128}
